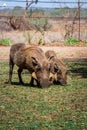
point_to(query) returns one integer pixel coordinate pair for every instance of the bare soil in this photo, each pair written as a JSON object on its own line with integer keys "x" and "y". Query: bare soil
{"x": 66, "y": 53}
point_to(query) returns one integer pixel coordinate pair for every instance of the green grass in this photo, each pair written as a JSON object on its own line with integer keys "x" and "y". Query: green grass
{"x": 85, "y": 43}
{"x": 54, "y": 108}
{"x": 71, "y": 41}
{"x": 5, "y": 42}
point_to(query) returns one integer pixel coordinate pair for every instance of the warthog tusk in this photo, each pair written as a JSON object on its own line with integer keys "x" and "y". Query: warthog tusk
{"x": 34, "y": 75}
{"x": 55, "y": 77}
{"x": 52, "y": 76}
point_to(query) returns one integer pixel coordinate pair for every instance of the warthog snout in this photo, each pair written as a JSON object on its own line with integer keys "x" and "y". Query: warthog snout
{"x": 63, "y": 82}
{"x": 44, "y": 82}
{"x": 60, "y": 79}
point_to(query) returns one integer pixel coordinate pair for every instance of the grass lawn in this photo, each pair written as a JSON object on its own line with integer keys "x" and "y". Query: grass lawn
{"x": 54, "y": 108}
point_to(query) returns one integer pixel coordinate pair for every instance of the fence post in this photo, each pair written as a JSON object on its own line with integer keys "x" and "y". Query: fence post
{"x": 79, "y": 19}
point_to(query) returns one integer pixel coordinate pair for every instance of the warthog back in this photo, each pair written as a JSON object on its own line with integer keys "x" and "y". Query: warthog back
{"x": 34, "y": 60}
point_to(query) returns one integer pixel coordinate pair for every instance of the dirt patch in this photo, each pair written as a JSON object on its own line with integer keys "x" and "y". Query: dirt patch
{"x": 66, "y": 53}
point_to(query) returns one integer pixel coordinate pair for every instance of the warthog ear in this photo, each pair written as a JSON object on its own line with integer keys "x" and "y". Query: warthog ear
{"x": 34, "y": 75}
{"x": 50, "y": 58}
{"x": 35, "y": 63}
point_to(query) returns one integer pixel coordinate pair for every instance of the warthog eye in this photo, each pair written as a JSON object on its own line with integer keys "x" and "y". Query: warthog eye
{"x": 49, "y": 67}
{"x": 56, "y": 69}
{"x": 36, "y": 64}
{"x": 59, "y": 71}
{"x": 38, "y": 67}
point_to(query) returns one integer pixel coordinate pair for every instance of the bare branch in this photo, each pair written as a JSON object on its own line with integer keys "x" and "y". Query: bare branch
{"x": 29, "y": 4}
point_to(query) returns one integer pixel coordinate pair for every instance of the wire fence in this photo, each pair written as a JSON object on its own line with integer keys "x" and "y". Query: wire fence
{"x": 67, "y": 18}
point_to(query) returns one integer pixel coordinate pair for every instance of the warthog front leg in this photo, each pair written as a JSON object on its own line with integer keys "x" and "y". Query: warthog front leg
{"x": 19, "y": 75}
{"x": 32, "y": 81}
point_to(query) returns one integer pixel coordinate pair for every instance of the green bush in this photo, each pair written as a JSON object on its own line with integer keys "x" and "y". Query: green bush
{"x": 85, "y": 43}
{"x": 71, "y": 41}
{"x": 6, "y": 42}
{"x": 40, "y": 23}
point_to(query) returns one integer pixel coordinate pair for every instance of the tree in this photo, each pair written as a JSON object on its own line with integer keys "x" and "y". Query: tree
{"x": 28, "y": 4}
{"x": 16, "y": 22}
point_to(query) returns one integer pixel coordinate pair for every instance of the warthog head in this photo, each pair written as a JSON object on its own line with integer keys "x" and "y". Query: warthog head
{"x": 60, "y": 74}
{"x": 58, "y": 68}
{"x": 42, "y": 73}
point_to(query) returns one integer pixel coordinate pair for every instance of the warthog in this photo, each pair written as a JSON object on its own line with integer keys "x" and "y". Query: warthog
{"x": 32, "y": 59}
{"x": 58, "y": 68}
